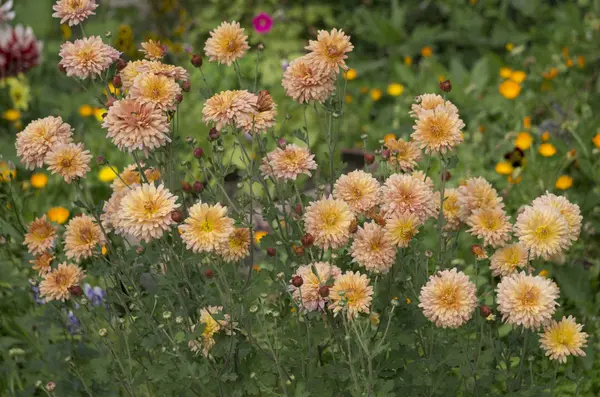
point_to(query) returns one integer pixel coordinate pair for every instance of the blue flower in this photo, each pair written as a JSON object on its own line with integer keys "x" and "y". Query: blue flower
{"x": 96, "y": 295}
{"x": 36, "y": 292}
{"x": 73, "y": 325}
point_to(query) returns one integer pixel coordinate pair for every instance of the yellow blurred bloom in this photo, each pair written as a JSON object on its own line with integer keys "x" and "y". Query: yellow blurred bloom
{"x": 408, "y": 301}
{"x": 375, "y": 94}
{"x": 505, "y": 72}
{"x": 389, "y": 137}
{"x": 66, "y": 31}
{"x": 348, "y": 98}
{"x": 58, "y": 215}
{"x": 104, "y": 250}
{"x": 544, "y": 273}
{"x": 509, "y": 89}
{"x": 98, "y": 113}
{"x": 564, "y": 182}
{"x": 504, "y": 168}
{"x": 395, "y": 89}
{"x": 19, "y": 92}
{"x": 545, "y": 136}
{"x": 550, "y": 74}
{"x": 509, "y": 46}
{"x": 258, "y": 235}
{"x": 86, "y": 110}
{"x": 39, "y": 180}
{"x": 7, "y": 171}
{"x": 547, "y": 150}
{"x": 527, "y": 122}
{"x": 114, "y": 91}
{"x": 569, "y": 62}
{"x": 571, "y": 154}
{"x": 106, "y": 174}
{"x": 293, "y": 310}
{"x": 11, "y": 115}
{"x": 518, "y": 76}
{"x": 408, "y": 60}
{"x": 350, "y": 74}
{"x": 426, "y": 51}
{"x": 256, "y": 268}
{"x": 596, "y": 140}
{"x": 516, "y": 180}
{"x": 524, "y": 140}
{"x": 581, "y": 61}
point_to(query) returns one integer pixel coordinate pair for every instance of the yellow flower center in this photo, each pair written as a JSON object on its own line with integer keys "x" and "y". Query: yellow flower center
{"x": 206, "y": 226}
{"x": 66, "y": 162}
{"x": 529, "y": 297}
{"x": 333, "y": 51}
{"x": 86, "y": 235}
{"x": 448, "y": 297}
{"x": 330, "y": 218}
{"x": 74, "y": 5}
{"x": 491, "y": 223}
{"x": 543, "y": 232}
{"x": 42, "y": 232}
{"x": 150, "y": 208}
{"x": 86, "y": 55}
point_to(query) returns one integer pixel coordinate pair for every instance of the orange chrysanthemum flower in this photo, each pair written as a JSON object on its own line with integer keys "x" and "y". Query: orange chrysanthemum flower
{"x": 509, "y": 259}
{"x": 56, "y": 285}
{"x": 401, "y": 228}
{"x": 328, "y": 220}
{"x": 351, "y": 292}
{"x": 87, "y": 57}
{"x": 82, "y": 236}
{"x": 314, "y": 276}
{"x": 230, "y": 108}
{"x": 262, "y": 119}
{"x": 40, "y": 236}
{"x": 372, "y": 249}
{"x": 69, "y": 160}
{"x": 42, "y": 263}
{"x": 328, "y": 52}
{"x": 303, "y": 81}
{"x": 39, "y": 137}
{"x": 543, "y": 230}
{"x": 403, "y": 153}
{"x": 288, "y": 163}
{"x": 438, "y": 130}
{"x": 237, "y": 246}
{"x": 207, "y": 228}
{"x": 74, "y": 12}
{"x": 152, "y": 50}
{"x": 226, "y": 44}
{"x": 155, "y": 89}
{"x": 490, "y": 224}
{"x": 564, "y": 338}
{"x": 477, "y": 193}
{"x": 359, "y": 190}
{"x": 408, "y": 193}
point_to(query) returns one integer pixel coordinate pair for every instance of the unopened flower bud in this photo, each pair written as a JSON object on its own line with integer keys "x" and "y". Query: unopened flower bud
{"x": 485, "y": 311}
{"x": 297, "y": 281}
{"x": 100, "y": 160}
{"x": 103, "y": 332}
{"x": 446, "y": 86}
{"x": 167, "y": 315}
{"x": 121, "y": 64}
{"x": 261, "y": 46}
{"x": 213, "y": 134}
{"x": 324, "y": 291}
{"x": 189, "y": 139}
{"x": 353, "y": 226}
{"x": 307, "y": 240}
{"x": 50, "y": 386}
{"x": 298, "y": 250}
{"x": 178, "y": 98}
{"x": 177, "y": 216}
{"x": 139, "y": 250}
{"x": 208, "y": 273}
{"x": 478, "y": 251}
{"x": 198, "y": 152}
{"x": 186, "y": 86}
{"x": 281, "y": 142}
{"x": 428, "y": 254}
{"x": 298, "y": 209}
{"x": 271, "y": 251}
{"x": 198, "y": 187}
{"x": 76, "y": 290}
{"x": 197, "y": 60}
{"x": 288, "y": 116}
{"x": 385, "y": 153}
{"x": 446, "y": 176}
{"x": 178, "y": 319}
{"x": 369, "y": 158}
{"x": 117, "y": 81}
{"x": 186, "y": 187}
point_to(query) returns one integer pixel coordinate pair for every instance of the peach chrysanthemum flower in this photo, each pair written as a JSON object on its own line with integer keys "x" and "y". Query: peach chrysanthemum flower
{"x": 134, "y": 125}
{"x": 328, "y": 220}
{"x": 155, "y": 89}
{"x": 562, "y": 339}
{"x": 211, "y": 327}
{"x": 372, "y": 249}
{"x": 351, "y": 292}
{"x": 146, "y": 211}
{"x": 448, "y": 299}
{"x": 451, "y": 209}
{"x": 477, "y": 193}
{"x": 74, "y": 12}
{"x": 403, "y": 153}
{"x": 303, "y": 81}
{"x": 237, "y": 246}
{"x": 152, "y": 50}
{"x": 569, "y": 211}
{"x": 111, "y": 210}
{"x": 69, "y": 160}
{"x": 401, "y": 228}
{"x": 509, "y": 259}
{"x": 543, "y": 231}
{"x": 527, "y": 300}
{"x": 328, "y": 52}
{"x": 429, "y": 102}
{"x": 56, "y": 284}
{"x": 229, "y": 107}
{"x": 490, "y": 224}
{"x": 438, "y": 130}
{"x": 135, "y": 68}
{"x": 87, "y": 57}
{"x": 207, "y": 228}
{"x": 42, "y": 263}
{"x": 406, "y": 193}
{"x": 39, "y": 137}
{"x": 359, "y": 190}
{"x": 288, "y": 163}
{"x": 130, "y": 177}
{"x": 314, "y": 276}
{"x": 226, "y": 44}
{"x": 81, "y": 237}
{"x": 263, "y": 118}
{"x": 40, "y": 236}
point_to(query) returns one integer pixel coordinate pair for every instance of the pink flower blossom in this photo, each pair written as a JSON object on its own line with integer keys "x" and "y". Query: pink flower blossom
{"x": 262, "y": 23}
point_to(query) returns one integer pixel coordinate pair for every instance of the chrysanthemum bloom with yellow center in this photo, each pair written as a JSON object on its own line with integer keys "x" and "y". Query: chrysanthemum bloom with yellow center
{"x": 69, "y": 160}
{"x": 40, "y": 236}
{"x": 403, "y": 153}
{"x": 134, "y": 125}
{"x": 152, "y": 50}
{"x": 74, "y": 12}
{"x": 154, "y": 89}
{"x": 352, "y": 293}
{"x": 211, "y": 327}
{"x": 562, "y": 339}
{"x": 82, "y": 236}
{"x": 328, "y": 52}
{"x": 406, "y": 193}
{"x": 130, "y": 177}
{"x": 328, "y": 220}
{"x": 490, "y": 224}
{"x": 477, "y": 193}
{"x": 56, "y": 284}
{"x": 87, "y": 57}
{"x": 207, "y": 228}
{"x": 263, "y": 118}
{"x": 543, "y": 230}
{"x": 448, "y": 299}
{"x": 438, "y": 130}
{"x": 237, "y": 245}
{"x": 401, "y": 228}
{"x": 527, "y": 300}
{"x": 359, "y": 190}
{"x": 303, "y": 81}
{"x": 146, "y": 211}
{"x": 314, "y": 276}
{"x": 288, "y": 163}
{"x": 509, "y": 259}
{"x": 569, "y": 211}
{"x": 39, "y": 137}
{"x": 135, "y": 68}
{"x": 42, "y": 263}
{"x": 229, "y": 108}
{"x": 372, "y": 249}
{"x": 429, "y": 102}
{"x": 451, "y": 209}
{"x": 226, "y": 44}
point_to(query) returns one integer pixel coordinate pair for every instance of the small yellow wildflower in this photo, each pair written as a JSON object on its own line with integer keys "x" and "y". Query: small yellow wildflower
{"x": 550, "y": 74}
{"x": 106, "y": 174}
{"x": 408, "y": 301}
{"x": 408, "y": 60}
{"x": 426, "y": 51}
{"x": 581, "y": 61}
{"x": 505, "y": 72}
{"x": 509, "y": 89}
{"x": 114, "y": 91}
{"x": 518, "y": 76}
{"x": 19, "y": 92}
{"x": 258, "y": 235}
{"x": 11, "y": 115}
{"x": 509, "y": 47}
{"x": 58, "y": 215}
{"x": 547, "y": 150}
{"x": 351, "y": 74}
{"x": 86, "y": 110}
{"x": 516, "y": 180}
{"x": 569, "y": 62}
{"x": 7, "y": 171}
{"x": 348, "y": 98}
{"x": 389, "y": 137}
{"x": 104, "y": 250}
{"x": 545, "y": 136}
{"x": 504, "y": 168}
{"x": 564, "y": 182}
{"x": 375, "y": 94}
{"x": 256, "y": 268}
{"x": 524, "y": 140}
{"x": 544, "y": 273}
{"x": 596, "y": 140}
{"x": 293, "y": 310}
{"x": 39, "y": 180}
{"x": 98, "y": 113}
{"x": 395, "y": 89}
{"x": 527, "y": 122}
{"x": 66, "y": 31}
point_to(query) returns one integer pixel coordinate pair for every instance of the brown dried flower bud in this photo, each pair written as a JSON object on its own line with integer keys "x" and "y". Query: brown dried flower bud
{"x": 177, "y": 216}
{"x": 117, "y": 82}
{"x": 446, "y": 176}
{"x": 446, "y": 86}
{"x": 369, "y": 158}
{"x": 76, "y": 290}
{"x": 307, "y": 240}
{"x": 478, "y": 251}
{"x": 271, "y": 251}
{"x": 208, "y": 273}
{"x": 298, "y": 209}
{"x": 353, "y": 226}
{"x": 485, "y": 311}
{"x": 324, "y": 291}
{"x": 197, "y": 60}
{"x": 297, "y": 281}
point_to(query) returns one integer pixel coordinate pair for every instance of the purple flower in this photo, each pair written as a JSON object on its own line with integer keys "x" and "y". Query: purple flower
{"x": 284, "y": 64}
{"x": 262, "y": 23}
{"x": 35, "y": 289}
{"x": 96, "y": 295}
{"x": 73, "y": 325}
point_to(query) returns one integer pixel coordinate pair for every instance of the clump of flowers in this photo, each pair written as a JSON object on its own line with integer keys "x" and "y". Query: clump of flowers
{"x": 404, "y": 154}
{"x": 211, "y": 328}
{"x": 231, "y": 108}
{"x": 477, "y": 193}
{"x": 360, "y": 190}
{"x": 288, "y": 163}
{"x": 57, "y": 284}
{"x": 39, "y": 138}
{"x": 309, "y": 296}
{"x": 352, "y": 294}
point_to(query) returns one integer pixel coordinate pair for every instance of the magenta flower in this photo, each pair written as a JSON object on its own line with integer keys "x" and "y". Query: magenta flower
{"x": 262, "y": 23}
